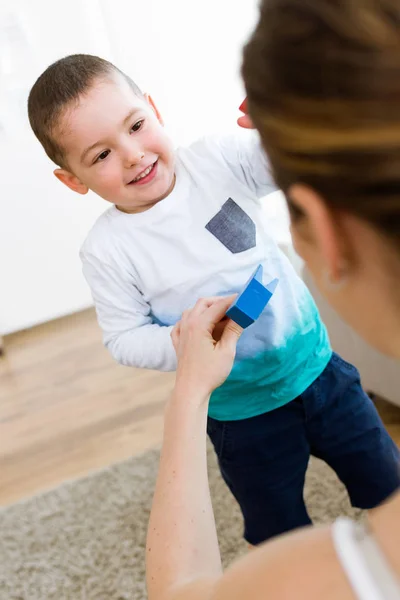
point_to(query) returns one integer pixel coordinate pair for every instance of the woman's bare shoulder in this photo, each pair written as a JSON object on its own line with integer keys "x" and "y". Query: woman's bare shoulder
{"x": 301, "y": 565}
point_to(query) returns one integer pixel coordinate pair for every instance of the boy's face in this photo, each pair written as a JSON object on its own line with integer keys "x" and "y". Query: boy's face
{"x": 115, "y": 145}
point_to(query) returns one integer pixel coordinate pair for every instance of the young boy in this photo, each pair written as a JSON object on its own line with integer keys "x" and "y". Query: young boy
{"x": 188, "y": 223}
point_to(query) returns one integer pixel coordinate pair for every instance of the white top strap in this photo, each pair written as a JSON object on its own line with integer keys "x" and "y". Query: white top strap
{"x": 367, "y": 569}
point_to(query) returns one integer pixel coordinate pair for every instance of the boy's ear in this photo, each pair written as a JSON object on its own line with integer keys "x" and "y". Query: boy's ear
{"x": 71, "y": 181}
{"x": 150, "y": 101}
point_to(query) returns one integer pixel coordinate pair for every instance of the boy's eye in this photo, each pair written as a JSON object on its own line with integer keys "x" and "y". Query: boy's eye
{"x": 102, "y": 156}
{"x": 137, "y": 126}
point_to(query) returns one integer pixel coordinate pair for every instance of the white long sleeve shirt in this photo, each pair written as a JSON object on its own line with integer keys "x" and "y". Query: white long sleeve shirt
{"x": 205, "y": 239}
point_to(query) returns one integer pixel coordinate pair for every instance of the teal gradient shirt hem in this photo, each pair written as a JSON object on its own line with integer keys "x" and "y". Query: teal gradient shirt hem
{"x": 272, "y": 379}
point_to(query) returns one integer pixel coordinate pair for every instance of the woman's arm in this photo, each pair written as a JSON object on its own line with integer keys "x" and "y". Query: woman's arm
{"x": 182, "y": 543}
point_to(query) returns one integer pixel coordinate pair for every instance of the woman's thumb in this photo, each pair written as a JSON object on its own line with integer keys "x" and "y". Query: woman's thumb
{"x": 231, "y": 335}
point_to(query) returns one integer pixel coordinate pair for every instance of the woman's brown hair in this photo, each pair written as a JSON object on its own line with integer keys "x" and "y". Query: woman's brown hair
{"x": 323, "y": 86}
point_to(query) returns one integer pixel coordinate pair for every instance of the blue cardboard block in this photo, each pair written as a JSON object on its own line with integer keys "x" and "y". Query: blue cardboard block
{"x": 254, "y": 297}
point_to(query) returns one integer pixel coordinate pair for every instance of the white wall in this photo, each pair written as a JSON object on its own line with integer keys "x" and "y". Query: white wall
{"x": 186, "y": 54}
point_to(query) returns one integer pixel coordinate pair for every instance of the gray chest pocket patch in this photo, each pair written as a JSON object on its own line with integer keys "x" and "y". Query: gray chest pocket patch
{"x": 233, "y": 228}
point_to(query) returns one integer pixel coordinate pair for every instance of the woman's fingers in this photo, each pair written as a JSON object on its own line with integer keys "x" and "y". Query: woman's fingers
{"x": 217, "y": 310}
{"x": 175, "y": 335}
{"x": 219, "y": 329}
{"x": 208, "y": 315}
{"x": 205, "y": 303}
{"x": 230, "y": 335}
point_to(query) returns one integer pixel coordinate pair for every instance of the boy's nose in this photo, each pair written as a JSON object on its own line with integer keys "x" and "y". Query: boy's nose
{"x": 134, "y": 157}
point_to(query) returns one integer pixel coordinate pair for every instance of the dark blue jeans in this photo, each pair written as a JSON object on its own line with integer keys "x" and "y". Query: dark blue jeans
{"x": 264, "y": 459}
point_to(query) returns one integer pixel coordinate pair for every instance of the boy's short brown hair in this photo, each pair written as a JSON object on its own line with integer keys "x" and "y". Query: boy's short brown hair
{"x": 61, "y": 84}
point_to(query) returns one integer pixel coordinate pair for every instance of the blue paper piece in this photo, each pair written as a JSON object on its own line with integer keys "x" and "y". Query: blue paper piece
{"x": 254, "y": 297}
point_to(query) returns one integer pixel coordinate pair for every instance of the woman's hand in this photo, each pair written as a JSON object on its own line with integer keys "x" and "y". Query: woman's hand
{"x": 203, "y": 362}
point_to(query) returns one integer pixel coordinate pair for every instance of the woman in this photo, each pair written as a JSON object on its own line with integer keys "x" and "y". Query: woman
{"x": 323, "y": 85}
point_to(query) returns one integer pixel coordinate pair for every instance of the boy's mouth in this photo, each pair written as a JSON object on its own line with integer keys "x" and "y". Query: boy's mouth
{"x": 146, "y": 175}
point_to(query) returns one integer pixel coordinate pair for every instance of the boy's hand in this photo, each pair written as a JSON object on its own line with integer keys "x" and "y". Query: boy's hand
{"x": 245, "y": 121}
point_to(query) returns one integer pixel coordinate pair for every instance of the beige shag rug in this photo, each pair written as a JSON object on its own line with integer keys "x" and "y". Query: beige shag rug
{"x": 85, "y": 540}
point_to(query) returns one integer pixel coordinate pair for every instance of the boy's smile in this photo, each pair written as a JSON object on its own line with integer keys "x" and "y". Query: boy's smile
{"x": 145, "y": 176}
{"x": 115, "y": 145}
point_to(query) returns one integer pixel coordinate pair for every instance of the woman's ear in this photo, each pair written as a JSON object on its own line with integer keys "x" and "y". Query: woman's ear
{"x": 150, "y": 101}
{"x": 71, "y": 181}
{"x": 317, "y": 234}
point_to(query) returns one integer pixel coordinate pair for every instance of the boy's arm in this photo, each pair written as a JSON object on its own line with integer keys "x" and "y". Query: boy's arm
{"x": 246, "y": 158}
{"x": 124, "y": 317}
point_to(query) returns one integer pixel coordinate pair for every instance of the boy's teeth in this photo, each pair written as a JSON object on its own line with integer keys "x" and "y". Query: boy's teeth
{"x": 144, "y": 174}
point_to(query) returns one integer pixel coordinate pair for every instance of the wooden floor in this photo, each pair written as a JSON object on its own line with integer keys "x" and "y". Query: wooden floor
{"x": 66, "y": 408}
